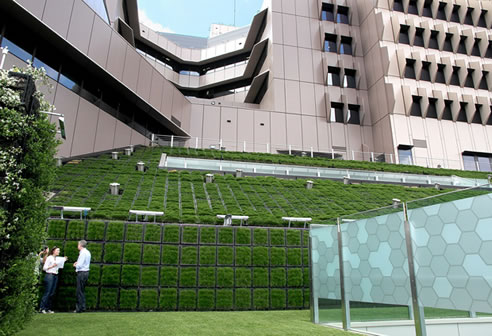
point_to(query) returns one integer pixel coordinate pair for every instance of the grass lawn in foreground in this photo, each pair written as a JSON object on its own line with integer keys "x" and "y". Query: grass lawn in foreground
{"x": 179, "y": 323}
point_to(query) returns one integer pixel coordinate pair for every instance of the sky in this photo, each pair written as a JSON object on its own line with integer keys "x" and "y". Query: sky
{"x": 194, "y": 17}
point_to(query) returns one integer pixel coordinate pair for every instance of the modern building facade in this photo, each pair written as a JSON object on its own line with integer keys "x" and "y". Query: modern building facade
{"x": 402, "y": 81}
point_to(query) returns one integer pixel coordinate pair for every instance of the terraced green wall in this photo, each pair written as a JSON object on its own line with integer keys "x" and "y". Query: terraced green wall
{"x": 146, "y": 266}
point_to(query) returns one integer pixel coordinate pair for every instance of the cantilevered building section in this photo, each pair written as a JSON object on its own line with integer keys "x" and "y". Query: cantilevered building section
{"x": 402, "y": 81}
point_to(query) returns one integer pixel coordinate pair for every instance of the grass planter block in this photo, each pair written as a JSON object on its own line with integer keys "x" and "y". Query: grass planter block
{"x": 128, "y": 299}
{"x": 112, "y": 252}
{"x": 110, "y": 275}
{"x": 294, "y": 237}
{"x": 307, "y": 298}
{"x": 188, "y": 255}
{"x": 305, "y": 256}
{"x": 76, "y": 230}
{"x": 148, "y": 299}
{"x": 190, "y": 234}
{"x": 278, "y": 299}
{"x": 260, "y": 236}
{"x": 295, "y": 277}
{"x": 294, "y": 257}
{"x": 151, "y": 254}
{"x": 171, "y": 234}
{"x": 277, "y": 237}
{"x": 225, "y": 235}
{"x": 91, "y": 297}
{"x": 243, "y": 277}
{"x": 243, "y": 298}
{"x": 224, "y": 299}
{"x": 187, "y": 277}
{"x": 169, "y": 276}
{"x": 305, "y": 277}
{"x": 108, "y": 298}
{"x": 207, "y": 255}
{"x": 130, "y": 275}
{"x": 152, "y": 233}
{"x": 260, "y": 298}
{"x": 207, "y": 277}
{"x": 225, "y": 255}
{"x": 295, "y": 298}
{"x": 71, "y": 251}
{"x": 168, "y": 299}
{"x": 243, "y": 256}
{"x": 260, "y": 277}
{"x": 260, "y": 256}
{"x": 132, "y": 253}
{"x": 96, "y": 251}
{"x": 207, "y": 235}
{"x": 170, "y": 254}
{"x": 56, "y": 229}
{"x": 243, "y": 236}
{"x": 277, "y": 277}
{"x": 95, "y": 230}
{"x": 277, "y": 256}
{"x": 149, "y": 276}
{"x": 134, "y": 232}
{"x": 94, "y": 275}
{"x": 187, "y": 299}
{"x": 225, "y": 277}
{"x": 115, "y": 231}
{"x": 206, "y": 299}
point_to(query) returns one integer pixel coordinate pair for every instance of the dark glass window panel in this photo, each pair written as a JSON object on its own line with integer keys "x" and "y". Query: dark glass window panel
{"x": 448, "y": 45}
{"x": 455, "y": 79}
{"x": 70, "y": 80}
{"x": 433, "y": 44}
{"x": 469, "y": 17}
{"x": 15, "y": 50}
{"x": 91, "y": 92}
{"x": 353, "y": 117}
{"x": 462, "y": 45}
{"x": 419, "y": 37}
{"x": 125, "y": 113}
{"x": 405, "y": 155}
{"x": 431, "y": 110}
{"x": 404, "y": 34}
{"x": 488, "y": 53}
{"x": 416, "y": 110}
{"x": 469, "y": 162}
{"x": 333, "y": 76}
{"x": 330, "y": 43}
{"x": 412, "y": 7}
{"x": 110, "y": 104}
{"x": 427, "y": 9}
{"x": 52, "y": 73}
{"x": 441, "y": 11}
{"x": 484, "y": 164}
{"x": 477, "y": 117}
{"x": 440, "y": 78}
{"x": 462, "y": 113}
{"x": 349, "y": 80}
{"x": 447, "y": 114}
{"x": 327, "y": 12}
{"x": 469, "y": 79}
{"x": 483, "y": 82}
{"x": 425, "y": 73}
{"x": 398, "y": 6}
{"x": 342, "y": 14}
{"x": 346, "y": 45}
{"x": 336, "y": 113}
{"x": 99, "y": 7}
{"x": 455, "y": 17}
{"x": 476, "y": 48}
{"x": 481, "y": 21}
{"x": 410, "y": 69}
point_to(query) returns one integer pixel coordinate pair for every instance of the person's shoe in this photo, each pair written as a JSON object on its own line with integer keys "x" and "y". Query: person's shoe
{"x": 42, "y": 311}
{"x": 50, "y": 312}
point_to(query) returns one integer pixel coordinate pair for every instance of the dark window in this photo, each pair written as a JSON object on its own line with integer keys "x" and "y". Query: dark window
{"x": 431, "y": 110}
{"x": 342, "y": 14}
{"x": 405, "y": 154}
{"x": 488, "y": 53}
{"x": 469, "y": 16}
{"x": 484, "y": 163}
{"x": 425, "y": 73}
{"x": 483, "y": 82}
{"x": 346, "y": 45}
{"x": 433, "y": 44}
{"x": 336, "y": 114}
{"x": 91, "y": 92}
{"x": 416, "y": 110}
{"x": 469, "y": 162}
{"x": 476, "y": 47}
{"x": 462, "y": 45}
{"x": 349, "y": 79}
{"x": 353, "y": 116}
{"x": 51, "y": 71}
{"x": 110, "y": 103}
{"x": 410, "y": 69}
{"x": 440, "y": 78}
{"x": 327, "y": 12}
{"x": 447, "y": 114}
{"x": 412, "y": 7}
{"x": 469, "y": 78}
{"x": 477, "y": 117}
{"x": 441, "y": 11}
{"x": 333, "y": 76}
{"x": 455, "y": 16}
{"x": 419, "y": 37}
{"x": 427, "y": 8}
{"x": 404, "y": 34}
{"x": 398, "y": 6}
{"x": 481, "y": 20}
{"x": 462, "y": 112}
{"x": 70, "y": 79}
{"x": 15, "y": 50}
{"x": 330, "y": 43}
{"x": 448, "y": 45}
{"x": 455, "y": 78}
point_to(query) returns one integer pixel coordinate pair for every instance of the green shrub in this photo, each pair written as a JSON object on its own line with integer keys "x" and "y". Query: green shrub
{"x": 277, "y": 277}
{"x": 225, "y": 277}
{"x": 94, "y": 275}
{"x": 128, "y": 299}
{"x": 225, "y": 235}
{"x": 134, "y": 232}
{"x": 168, "y": 299}
{"x": 207, "y": 255}
{"x": 96, "y": 251}
{"x": 243, "y": 236}
{"x": 260, "y": 256}
{"x": 305, "y": 257}
{"x": 207, "y": 235}
{"x": 187, "y": 299}
{"x": 243, "y": 298}
{"x": 293, "y": 237}
{"x": 76, "y": 230}
{"x": 187, "y": 277}
{"x": 169, "y": 276}
{"x": 130, "y": 275}
{"x": 295, "y": 298}
{"x": 243, "y": 256}
{"x": 260, "y": 298}
{"x": 294, "y": 257}
{"x": 277, "y": 256}
{"x": 225, "y": 255}
{"x": 278, "y": 298}
{"x": 132, "y": 253}
{"x": 95, "y": 230}
{"x": 277, "y": 237}
{"x": 170, "y": 254}
{"x": 56, "y": 229}
{"x": 224, "y": 299}
{"x": 294, "y": 277}
{"x": 260, "y": 236}
{"x": 188, "y": 255}
{"x": 153, "y": 233}
{"x": 207, "y": 277}
{"x": 148, "y": 299}
{"x": 171, "y": 233}
{"x": 91, "y": 297}
{"x": 115, "y": 231}
{"x": 190, "y": 234}
{"x": 112, "y": 252}
{"x": 206, "y": 299}
{"x": 243, "y": 277}
{"x": 260, "y": 277}
{"x": 110, "y": 275}
{"x": 151, "y": 254}
{"x": 149, "y": 276}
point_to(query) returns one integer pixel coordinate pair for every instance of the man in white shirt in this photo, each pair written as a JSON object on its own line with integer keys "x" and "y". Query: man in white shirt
{"x": 82, "y": 268}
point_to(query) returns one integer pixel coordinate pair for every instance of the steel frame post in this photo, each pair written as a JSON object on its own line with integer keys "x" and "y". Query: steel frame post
{"x": 343, "y": 297}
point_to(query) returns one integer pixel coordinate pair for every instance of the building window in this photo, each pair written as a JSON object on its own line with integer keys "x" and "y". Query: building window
{"x": 15, "y": 50}
{"x": 189, "y": 73}
{"x": 447, "y": 114}
{"x": 416, "y": 110}
{"x": 427, "y": 8}
{"x": 349, "y": 79}
{"x": 425, "y": 73}
{"x": 398, "y": 6}
{"x": 419, "y": 37}
{"x": 462, "y": 112}
{"x": 342, "y": 14}
{"x": 448, "y": 45}
{"x": 336, "y": 112}
{"x": 476, "y": 47}
{"x": 99, "y": 7}
{"x": 353, "y": 116}
{"x": 412, "y": 7}
{"x": 405, "y": 154}
{"x": 432, "y": 110}
{"x": 51, "y": 72}
{"x": 483, "y": 82}
{"x": 330, "y": 43}
{"x": 469, "y": 79}
{"x": 477, "y": 117}
{"x": 477, "y": 161}
{"x": 333, "y": 76}
{"x": 462, "y": 45}
{"x": 404, "y": 34}
{"x": 346, "y": 45}
{"x": 410, "y": 69}
{"x": 481, "y": 20}
{"x": 327, "y": 12}
{"x": 433, "y": 44}
{"x": 455, "y": 78}
{"x": 469, "y": 16}
{"x": 440, "y": 78}
{"x": 455, "y": 16}
{"x": 441, "y": 11}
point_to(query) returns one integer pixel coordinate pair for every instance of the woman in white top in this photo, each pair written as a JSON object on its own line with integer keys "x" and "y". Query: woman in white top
{"x": 50, "y": 280}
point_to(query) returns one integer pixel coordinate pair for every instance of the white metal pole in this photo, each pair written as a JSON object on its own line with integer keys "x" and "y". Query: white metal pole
{"x": 290, "y": 149}
{"x": 172, "y": 141}
{"x": 196, "y": 143}
{"x": 5, "y": 51}
{"x": 244, "y": 146}
{"x": 268, "y": 148}
{"x": 312, "y": 152}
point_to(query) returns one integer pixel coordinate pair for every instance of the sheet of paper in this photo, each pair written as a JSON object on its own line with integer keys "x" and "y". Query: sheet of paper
{"x": 60, "y": 262}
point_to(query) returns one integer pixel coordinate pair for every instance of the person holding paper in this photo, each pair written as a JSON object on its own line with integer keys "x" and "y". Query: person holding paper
{"x": 50, "y": 279}
{"x": 82, "y": 268}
